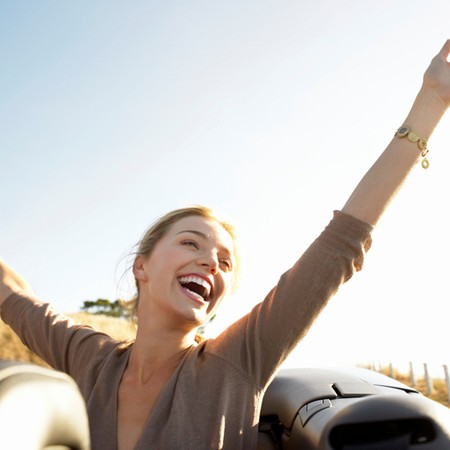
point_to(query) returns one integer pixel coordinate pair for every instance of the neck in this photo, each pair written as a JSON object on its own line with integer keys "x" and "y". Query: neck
{"x": 156, "y": 351}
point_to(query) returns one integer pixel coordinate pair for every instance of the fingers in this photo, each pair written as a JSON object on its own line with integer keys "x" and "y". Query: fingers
{"x": 445, "y": 51}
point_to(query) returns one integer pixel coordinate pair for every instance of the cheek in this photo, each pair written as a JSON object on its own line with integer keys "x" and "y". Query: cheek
{"x": 226, "y": 285}
{"x": 231, "y": 279}
{"x": 162, "y": 262}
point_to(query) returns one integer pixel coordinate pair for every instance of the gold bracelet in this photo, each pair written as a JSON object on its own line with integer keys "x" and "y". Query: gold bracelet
{"x": 413, "y": 137}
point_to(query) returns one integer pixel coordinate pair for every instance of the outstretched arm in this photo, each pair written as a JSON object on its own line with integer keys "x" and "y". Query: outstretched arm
{"x": 381, "y": 183}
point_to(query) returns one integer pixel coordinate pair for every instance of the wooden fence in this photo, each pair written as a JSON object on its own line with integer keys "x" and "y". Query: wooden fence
{"x": 414, "y": 376}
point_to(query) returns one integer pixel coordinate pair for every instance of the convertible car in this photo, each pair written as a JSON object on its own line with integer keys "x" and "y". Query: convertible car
{"x": 303, "y": 409}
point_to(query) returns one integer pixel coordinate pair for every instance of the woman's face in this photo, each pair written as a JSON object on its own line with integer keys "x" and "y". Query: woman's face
{"x": 188, "y": 273}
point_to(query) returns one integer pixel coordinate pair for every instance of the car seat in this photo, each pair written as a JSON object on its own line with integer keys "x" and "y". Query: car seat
{"x": 40, "y": 409}
{"x": 349, "y": 409}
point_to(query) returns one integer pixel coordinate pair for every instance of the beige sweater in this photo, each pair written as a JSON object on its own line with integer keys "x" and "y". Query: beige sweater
{"x": 213, "y": 399}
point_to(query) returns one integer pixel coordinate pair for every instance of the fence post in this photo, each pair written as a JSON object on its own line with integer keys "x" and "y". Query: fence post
{"x": 428, "y": 379}
{"x": 412, "y": 375}
{"x": 447, "y": 380}
{"x": 391, "y": 370}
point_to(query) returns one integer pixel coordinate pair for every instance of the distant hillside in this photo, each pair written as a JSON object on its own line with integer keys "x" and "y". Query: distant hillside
{"x": 11, "y": 347}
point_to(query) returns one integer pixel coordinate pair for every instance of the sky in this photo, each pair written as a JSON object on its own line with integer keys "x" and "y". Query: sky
{"x": 113, "y": 113}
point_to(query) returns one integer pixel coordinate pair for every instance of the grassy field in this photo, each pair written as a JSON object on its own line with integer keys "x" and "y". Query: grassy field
{"x": 11, "y": 348}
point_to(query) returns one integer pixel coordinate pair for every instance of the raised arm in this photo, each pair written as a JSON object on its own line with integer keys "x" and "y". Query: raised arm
{"x": 11, "y": 282}
{"x": 380, "y": 184}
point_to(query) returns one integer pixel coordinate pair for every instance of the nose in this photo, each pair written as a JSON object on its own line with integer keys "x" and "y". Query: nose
{"x": 210, "y": 262}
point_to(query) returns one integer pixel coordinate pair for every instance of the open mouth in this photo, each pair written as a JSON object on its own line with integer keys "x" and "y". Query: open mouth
{"x": 197, "y": 286}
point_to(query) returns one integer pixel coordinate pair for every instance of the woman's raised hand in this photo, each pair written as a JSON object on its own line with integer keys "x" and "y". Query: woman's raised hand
{"x": 11, "y": 282}
{"x": 437, "y": 76}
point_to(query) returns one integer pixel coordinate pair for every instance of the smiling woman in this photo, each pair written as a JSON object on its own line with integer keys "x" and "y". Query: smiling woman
{"x": 161, "y": 227}
{"x": 165, "y": 390}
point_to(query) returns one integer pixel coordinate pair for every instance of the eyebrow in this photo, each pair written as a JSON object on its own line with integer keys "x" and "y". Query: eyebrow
{"x": 198, "y": 233}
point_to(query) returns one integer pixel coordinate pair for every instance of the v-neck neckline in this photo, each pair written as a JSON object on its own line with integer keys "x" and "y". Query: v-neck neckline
{"x": 161, "y": 395}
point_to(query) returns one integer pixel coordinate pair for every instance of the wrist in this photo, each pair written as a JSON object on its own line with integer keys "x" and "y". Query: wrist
{"x": 426, "y": 112}
{"x": 406, "y": 132}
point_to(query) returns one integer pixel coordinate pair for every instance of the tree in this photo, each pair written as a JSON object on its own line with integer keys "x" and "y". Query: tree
{"x": 105, "y": 307}
{"x": 202, "y": 330}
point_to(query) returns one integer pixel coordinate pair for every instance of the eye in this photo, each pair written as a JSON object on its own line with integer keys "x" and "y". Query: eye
{"x": 190, "y": 243}
{"x": 227, "y": 264}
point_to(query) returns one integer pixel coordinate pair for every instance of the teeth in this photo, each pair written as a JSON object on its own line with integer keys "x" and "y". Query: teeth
{"x": 197, "y": 280}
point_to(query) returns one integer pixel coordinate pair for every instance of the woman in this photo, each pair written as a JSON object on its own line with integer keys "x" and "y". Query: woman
{"x": 166, "y": 391}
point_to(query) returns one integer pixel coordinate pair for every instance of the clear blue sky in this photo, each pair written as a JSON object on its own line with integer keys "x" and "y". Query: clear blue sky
{"x": 112, "y": 113}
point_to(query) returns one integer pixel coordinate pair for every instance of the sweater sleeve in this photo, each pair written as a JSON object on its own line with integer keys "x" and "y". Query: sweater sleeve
{"x": 260, "y": 341}
{"x": 55, "y": 338}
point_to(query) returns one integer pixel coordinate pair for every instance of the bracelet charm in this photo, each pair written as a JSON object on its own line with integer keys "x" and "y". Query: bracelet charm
{"x": 413, "y": 137}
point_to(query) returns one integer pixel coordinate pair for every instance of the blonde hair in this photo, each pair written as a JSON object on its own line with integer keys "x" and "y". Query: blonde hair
{"x": 160, "y": 227}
